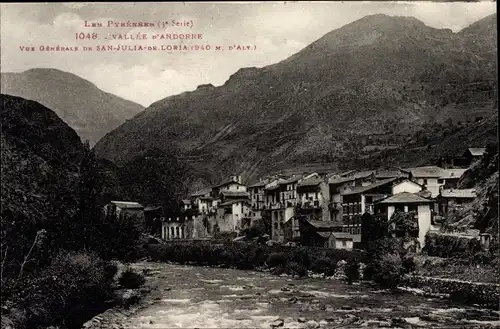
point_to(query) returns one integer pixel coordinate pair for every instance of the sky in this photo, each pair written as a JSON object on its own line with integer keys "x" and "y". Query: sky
{"x": 273, "y": 31}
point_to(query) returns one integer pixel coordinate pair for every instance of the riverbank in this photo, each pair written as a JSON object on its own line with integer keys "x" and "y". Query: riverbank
{"x": 184, "y": 296}
{"x": 314, "y": 262}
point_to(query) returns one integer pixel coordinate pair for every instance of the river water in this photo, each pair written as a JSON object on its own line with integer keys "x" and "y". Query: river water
{"x": 202, "y": 297}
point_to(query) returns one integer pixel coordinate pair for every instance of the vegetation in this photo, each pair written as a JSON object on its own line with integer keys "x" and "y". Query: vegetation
{"x": 130, "y": 279}
{"x": 57, "y": 270}
{"x": 280, "y": 259}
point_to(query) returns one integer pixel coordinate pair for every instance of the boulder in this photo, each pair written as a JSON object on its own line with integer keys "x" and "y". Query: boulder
{"x": 278, "y": 323}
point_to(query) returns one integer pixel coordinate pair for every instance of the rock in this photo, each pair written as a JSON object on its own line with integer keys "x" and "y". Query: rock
{"x": 258, "y": 293}
{"x": 301, "y": 320}
{"x": 293, "y": 300}
{"x": 346, "y": 308}
{"x": 291, "y": 284}
{"x": 398, "y": 321}
{"x": 331, "y": 319}
{"x": 277, "y": 323}
{"x": 315, "y": 301}
{"x": 312, "y": 324}
{"x": 167, "y": 289}
{"x": 285, "y": 289}
{"x": 151, "y": 322}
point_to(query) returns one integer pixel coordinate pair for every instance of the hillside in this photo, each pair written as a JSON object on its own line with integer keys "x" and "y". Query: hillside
{"x": 90, "y": 111}
{"x": 375, "y": 83}
{"x": 40, "y": 161}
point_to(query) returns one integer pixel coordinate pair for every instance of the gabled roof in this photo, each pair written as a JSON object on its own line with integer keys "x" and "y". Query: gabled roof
{"x": 231, "y": 202}
{"x": 207, "y": 198}
{"x": 459, "y": 193}
{"x": 452, "y": 173}
{"x": 228, "y": 182}
{"x": 405, "y": 197}
{"x": 390, "y": 173}
{"x": 235, "y": 194}
{"x": 275, "y": 184}
{"x": 334, "y": 180}
{"x": 259, "y": 184}
{"x": 476, "y": 151}
{"x": 128, "y": 205}
{"x": 313, "y": 181}
{"x": 363, "y": 189}
{"x": 186, "y": 202}
{"x": 426, "y": 171}
{"x": 152, "y": 208}
{"x": 337, "y": 235}
{"x": 323, "y": 223}
{"x": 291, "y": 180}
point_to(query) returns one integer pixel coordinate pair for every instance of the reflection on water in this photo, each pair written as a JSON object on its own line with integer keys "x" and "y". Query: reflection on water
{"x": 202, "y": 297}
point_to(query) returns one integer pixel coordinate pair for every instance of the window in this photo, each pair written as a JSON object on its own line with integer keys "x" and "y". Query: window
{"x": 275, "y": 226}
{"x": 344, "y": 243}
{"x": 440, "y": 181}
{"x": 177, "y": 231}
{"x": 425, "y": 181}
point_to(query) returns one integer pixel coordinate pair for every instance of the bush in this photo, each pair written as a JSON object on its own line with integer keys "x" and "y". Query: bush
{"x": 131, "y": 279}
{"x": 276, "y": 259}
{"x": 301, "y": 255}
{"x": 388, "y": 271}
{"x": 294, "y": 268}
{"x": 352, "y": 272}
{"x": 409, "y": 264}
{"x": 67, "y": 289}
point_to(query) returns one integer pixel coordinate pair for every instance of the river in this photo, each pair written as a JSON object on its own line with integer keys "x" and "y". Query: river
{"x": 202, "y": 297}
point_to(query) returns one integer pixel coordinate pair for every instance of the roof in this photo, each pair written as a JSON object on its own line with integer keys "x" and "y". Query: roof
{"x": 476, "y": 151}
{"x": 258, "y": 184}
{"x": 322, "y": 223}
{"x": 228, "y": 182}
{"x": 452, "y": 173}
{"x": 337, "y": 235}
{"x": 390, "y": 173}
{"x": 202, "y": 192}
{"x": 427, "y": 171}
{"x": 291, "y": 180}
{"x": 362, "y": 189}
{"x": 313, "y": 181}
{"x": 152, "y": 208}
{"x": 339, "y": 180}
{"x": 459, "y": 193}
{"x": 128, "y": 204}
{"x": 275, "y": 184}
{"x": 186, "y": 201}
{"x": 405, "y": 197}
{"x": 207, "y": 198}
{"x": 231, "y": 202}
{"x": 235, "y": 193}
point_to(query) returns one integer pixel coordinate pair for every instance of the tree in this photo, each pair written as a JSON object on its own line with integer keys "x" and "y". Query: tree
{"x": 373, "y": 228}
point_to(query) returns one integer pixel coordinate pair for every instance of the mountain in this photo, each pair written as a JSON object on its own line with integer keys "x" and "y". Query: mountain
{"x": 40, "y": 161}
{"x": 374, "y": 84}
{"x": 90, "y": 111}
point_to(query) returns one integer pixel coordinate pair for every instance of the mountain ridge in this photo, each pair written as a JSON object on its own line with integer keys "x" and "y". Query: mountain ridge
{"x": 306, "y": 109}
{"x": 77, "y": 101}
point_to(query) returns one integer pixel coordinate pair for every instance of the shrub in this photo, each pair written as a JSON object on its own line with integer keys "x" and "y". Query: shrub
{"x": 294, "y": 268}
{"x": 67, "y": 289}
{"x": 131, "y": 279}
{"x": 276, "y": 259}
{"x": 409, "y": 264}
{"x": 301, "y": 255}
{"x": 352, "y": 272}
{"x": 388, "y": 271}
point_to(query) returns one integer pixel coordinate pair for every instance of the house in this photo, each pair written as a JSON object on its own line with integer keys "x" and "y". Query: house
{"x": 231, "y": 185}
{"x": 323, "y": 234}
{"x": 427, "y": 176}
{"x": 257, "y": 198}
{"x": 473, "y": 154}
{"x": 449, "y": 178}
{"x": 407, "y": 202}
{"x": 277, "y": 209}
{"x": 233, "y": 215}
{"x": 180, "y": 228}
{"x": 125, "y": 209}
{"x": 451, "y": 199}
{"x": 340, "y": 183}
{"x": 358, "y": 200}
{"x": 152, "y": 219}
{"x": 463, "y": 160}
{"x": 202, "y": 200}
{"x": 313, "y": 197}
{"x": 186, "y": 205}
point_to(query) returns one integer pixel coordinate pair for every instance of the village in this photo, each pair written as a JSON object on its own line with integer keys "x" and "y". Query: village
{"x": 314, "y": 209}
